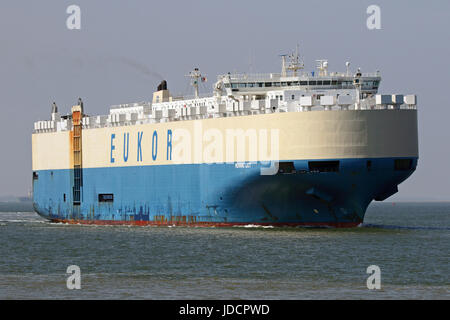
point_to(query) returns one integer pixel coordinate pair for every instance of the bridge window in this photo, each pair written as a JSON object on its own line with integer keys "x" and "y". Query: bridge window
{"x": 326, "y": 82}
{"x": 234, "y": 85}
{"x": 347, "y": 84}
{"x": 375, "y": 84}
{"x": 242, "y": 85}
{"x": 303, "y": 83}
{"x": 268, "y": 84}
{"x": 312, "y": 83}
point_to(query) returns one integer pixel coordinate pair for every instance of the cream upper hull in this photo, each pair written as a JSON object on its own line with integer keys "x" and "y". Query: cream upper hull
{"x": 301, "y": 135}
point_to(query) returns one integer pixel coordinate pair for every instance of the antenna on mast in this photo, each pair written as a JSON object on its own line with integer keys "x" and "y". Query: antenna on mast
{"x": 195, "y": 76}
{"x": 295, "y": 63}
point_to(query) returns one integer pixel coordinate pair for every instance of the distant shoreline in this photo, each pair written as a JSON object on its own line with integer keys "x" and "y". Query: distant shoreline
{"x": 16, "y": 206}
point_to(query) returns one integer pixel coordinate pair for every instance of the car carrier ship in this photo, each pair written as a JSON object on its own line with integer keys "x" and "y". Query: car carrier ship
{"x": 294, "y": 148}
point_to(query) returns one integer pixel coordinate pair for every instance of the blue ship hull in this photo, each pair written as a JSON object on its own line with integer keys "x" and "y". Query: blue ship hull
{"x": 220, "y": 194}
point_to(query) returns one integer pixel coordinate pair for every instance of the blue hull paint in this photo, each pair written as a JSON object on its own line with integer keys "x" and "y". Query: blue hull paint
{"x": 219, "y": 193}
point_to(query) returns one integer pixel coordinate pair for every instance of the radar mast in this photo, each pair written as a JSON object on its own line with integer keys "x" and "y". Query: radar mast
{"x": 195, "y": 76}
{"x": 295, "y": 63}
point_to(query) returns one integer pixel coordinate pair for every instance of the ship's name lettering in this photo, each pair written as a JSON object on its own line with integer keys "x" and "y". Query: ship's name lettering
{"x": 119, "y": 144}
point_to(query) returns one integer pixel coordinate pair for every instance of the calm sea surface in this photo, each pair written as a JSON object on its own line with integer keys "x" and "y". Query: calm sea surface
{"x": 410, "y": 242}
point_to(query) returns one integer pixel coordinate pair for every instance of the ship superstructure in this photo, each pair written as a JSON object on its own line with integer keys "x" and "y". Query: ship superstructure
{"x": 289, "y": 148}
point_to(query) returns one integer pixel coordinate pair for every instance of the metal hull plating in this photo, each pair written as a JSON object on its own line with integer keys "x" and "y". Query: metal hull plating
{"x": 220, "y": 194}
{"x": 134, "y": 174}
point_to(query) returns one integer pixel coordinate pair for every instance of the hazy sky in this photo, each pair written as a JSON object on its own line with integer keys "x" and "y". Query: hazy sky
{"x": 123, "y": 46}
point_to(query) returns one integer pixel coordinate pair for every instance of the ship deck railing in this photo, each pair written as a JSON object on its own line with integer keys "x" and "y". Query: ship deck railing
{"x": 101, "y": 121}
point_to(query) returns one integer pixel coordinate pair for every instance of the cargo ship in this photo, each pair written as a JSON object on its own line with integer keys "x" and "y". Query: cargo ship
{"x": 293, "y": 148}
